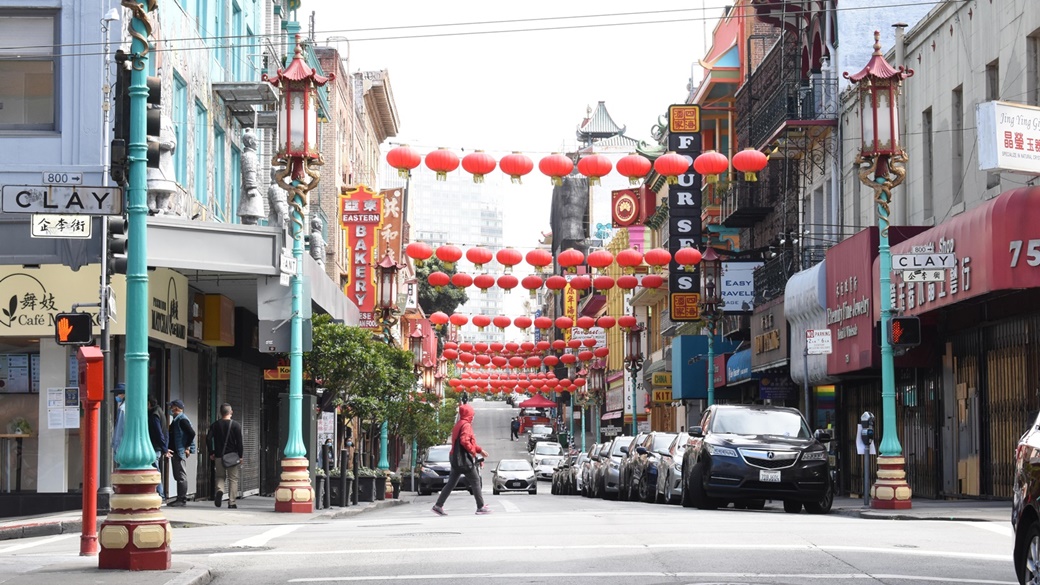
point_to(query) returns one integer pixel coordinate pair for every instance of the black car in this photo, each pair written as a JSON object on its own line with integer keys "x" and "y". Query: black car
{"x": 1025, "y": 511}
{"x": 625, "y": 467}
{"x": 747, "y": 454}
{"x": 642, "y": 471}
{"x": 434, "y": 468}
{"x": 539, "y": 433}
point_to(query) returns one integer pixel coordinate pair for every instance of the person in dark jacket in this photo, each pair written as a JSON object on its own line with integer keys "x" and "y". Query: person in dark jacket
{"x": 180, "y": 448}
{"x": 514, "y": 429}
{"x": 463, "y": 459}
{"x": 225, "y": 436}
{"x": 160, "y": 441}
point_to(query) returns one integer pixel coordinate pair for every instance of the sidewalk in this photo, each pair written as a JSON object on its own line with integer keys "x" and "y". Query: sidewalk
{"x": 254, "y": 510}
{"x": 956, "y": 510}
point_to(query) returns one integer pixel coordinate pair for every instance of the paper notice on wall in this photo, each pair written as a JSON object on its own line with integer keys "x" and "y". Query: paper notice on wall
{"x": 72, "y": 417}
{"x": 56, "y": 418}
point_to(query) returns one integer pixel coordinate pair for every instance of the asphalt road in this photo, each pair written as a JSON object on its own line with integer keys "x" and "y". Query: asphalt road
{"x": 573, "y": 540}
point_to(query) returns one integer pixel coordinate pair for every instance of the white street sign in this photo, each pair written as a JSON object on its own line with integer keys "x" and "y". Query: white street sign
{"x": 283, "y": 279}
{"x": 924, "y": 275}
{"x": 62, "y": 199}
{"x": 62, "y": 178}
{"x": 818, "y": 341}
{"x": 288, "y": 265}
{"x": 46, "y": 225}
{"x": 923, "y": 261}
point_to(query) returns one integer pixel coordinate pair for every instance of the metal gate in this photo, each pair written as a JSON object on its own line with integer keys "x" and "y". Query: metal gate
{"x": 241, "y": 387}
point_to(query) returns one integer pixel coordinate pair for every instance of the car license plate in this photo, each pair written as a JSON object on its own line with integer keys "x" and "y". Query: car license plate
{"x": 515, "y": 484}
{"x": 771, "y": 476}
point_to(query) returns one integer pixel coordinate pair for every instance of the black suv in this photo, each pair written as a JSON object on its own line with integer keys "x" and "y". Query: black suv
{"x": 1025, "y": 518}
{"x": 434, "y": 469}
{"x": 747, "y": 454}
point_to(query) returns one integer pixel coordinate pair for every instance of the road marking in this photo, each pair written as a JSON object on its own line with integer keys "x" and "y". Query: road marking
{"x": 1001, "y": 529}
{"x": 1002, "y": 558}
{"x": 37, "y": 543}
{"x": 509, "y": 506}
{"x": 263, "y": 538}
{"x": 654, "y": 574}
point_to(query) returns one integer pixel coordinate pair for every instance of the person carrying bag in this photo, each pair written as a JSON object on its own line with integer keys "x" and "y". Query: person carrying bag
{"x": 228, "y": 434}
{"x": 463, "y": 460}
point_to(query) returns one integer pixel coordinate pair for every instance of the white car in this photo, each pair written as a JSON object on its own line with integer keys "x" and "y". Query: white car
{"x": 544, "y": 465}
{"x": 544, "y": 449}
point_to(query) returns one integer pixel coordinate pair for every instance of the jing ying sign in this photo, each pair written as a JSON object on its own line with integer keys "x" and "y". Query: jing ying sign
{"x": 361, "y": 216}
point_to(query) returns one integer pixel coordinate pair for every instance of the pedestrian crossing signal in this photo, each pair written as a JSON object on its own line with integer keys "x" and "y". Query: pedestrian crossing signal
{"x": 74, "y": 328}
{"x": 905, "y": 332}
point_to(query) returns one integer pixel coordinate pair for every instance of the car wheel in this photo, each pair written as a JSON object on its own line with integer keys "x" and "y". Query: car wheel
{"x": 659, "y": 498}
{"x": 648, "y": 493}
{"x": 533, "y": 492}
{"x": 623, "y": 494}
{"x": 739, "y": 505}
{"x": 756, "y": 504}
{"x": 1027, "y": 556}
{"x": 824, "y": 505}
{"x": 423, "y": 492}
{"x": 495, "y": 491}
{"x": 792, "y": 507}
{"x": 697, "y": 495}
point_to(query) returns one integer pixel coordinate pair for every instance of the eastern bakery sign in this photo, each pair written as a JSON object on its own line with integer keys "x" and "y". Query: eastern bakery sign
{"x": 361, "y": 216}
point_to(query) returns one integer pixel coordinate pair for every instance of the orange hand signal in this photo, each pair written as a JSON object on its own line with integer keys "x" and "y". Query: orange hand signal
{"x": 64, "y": 329}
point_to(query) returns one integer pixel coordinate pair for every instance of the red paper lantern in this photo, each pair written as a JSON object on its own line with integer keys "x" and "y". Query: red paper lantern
{"x": 465, "y": 357}
{"x": 568, "y": 359}
{"x": 478, "y": 164}
{"x": 634, "y": 166}
{"x": 448, "y": 255}
{"x": 539, "y": 258}
{"x": 532, "y": 362}
{"x": 479, "y": 256}
{"x": 507, "y": 282}
{"x": 532, "y": 283}
{"x": 461, "y": 280}
{"x": 556, "y": 166}
{"x": 629, "y": 259}
{"x": 750, "y": 161}
{"x": 603, "y": 283}
{"x": 626, "y": 322}
{"x": 480, "y": 347}
{"x": 551, "y": 361}
{"x": 570, "y": 258}
{"x": 458, "y": 320}
{"x": 502, "y": 322}
{"x": 652, "y": 281}
{"x": 600, "y": 259}
{"x": 606, "y": 322}
{"x": 511, "y": 346}
{"x": 439, "y": 318}
{"x": 483, "y": 360}
{"x": 484, "y": 282}
{"x": 450, "y": 354}
{"x": 454, "y": 382}
{"x": 466, "y": 346}
{"x": 657, "y": 257}
{"x": 581, "y": 282}
{"x": 481, "y": 321}
{"x": 627, "y": 282}
{"x": 687, "y": 258}
{"x": 601, "y": 352}
{"x": 711, "y": 164}
{"x": 564, "y": 323}
{"x": 589, "y": 342}
{"x": 585, "y": 356}
{"x": 594, "y": 166}
{"x": 452, "y": 344}
{"x": 574, "y": 343}
{"x": 586, "y": 323}
{"x": 527, "y": 346}
{"x": 556, "y": 282}
{"x": 544, "y": 345}
{"x": 543, "y": 323}
{"x": 515, "y": 165}
{"x": 523, "y": 323}
{"x": 499, "y": 361}
{"x": 443, "y": 161}
{"x": 404, "y": 159}
{"x": 580, "y": 382}
{"x": 509, "y": 258}
{"x": 516, "y": 362}
{"x": 418, "y": 251}
{"x": 438, "y": 280}
{"x": 671, "y": 165}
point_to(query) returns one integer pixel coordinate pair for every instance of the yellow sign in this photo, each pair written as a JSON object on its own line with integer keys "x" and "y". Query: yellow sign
{"x": 663, "y": 395}
{"x": 570, "y": 308}
{"x": 169, "y": 307}
{"x": 686, "y": 307}
{"x": 661, "y": 379}
{"x": 684, "y": 119}
{"x": 31, "y": 298}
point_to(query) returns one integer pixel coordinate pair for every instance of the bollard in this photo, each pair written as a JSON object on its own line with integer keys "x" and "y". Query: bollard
{"x": 345, "y": 499}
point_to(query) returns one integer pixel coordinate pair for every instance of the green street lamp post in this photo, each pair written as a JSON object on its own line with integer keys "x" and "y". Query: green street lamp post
{"x": 880, "y": 152}
{"x": 634, "y": 363}
{"x": 711, "y": 272}
{"x": 135, "y": 535}
{"x": 388, "y": 268}
{"x": 297, "y": 153}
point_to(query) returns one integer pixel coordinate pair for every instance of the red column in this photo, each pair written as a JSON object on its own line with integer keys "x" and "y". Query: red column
{"x": 88, "y": 543}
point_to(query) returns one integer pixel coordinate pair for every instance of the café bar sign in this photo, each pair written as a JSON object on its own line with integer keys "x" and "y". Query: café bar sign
{"x": 361, "y": 217}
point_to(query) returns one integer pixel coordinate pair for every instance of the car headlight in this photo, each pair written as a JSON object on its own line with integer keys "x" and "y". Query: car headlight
{"x": 427, "y": 470}
{"x": 718, "y": 451}
{"x": 814, "y": 456}
{"x": 613, "y": 464}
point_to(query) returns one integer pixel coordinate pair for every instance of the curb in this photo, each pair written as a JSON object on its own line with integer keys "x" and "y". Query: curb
{"x": 193, "y": 576}
{"x": 871, "y": 514}
{"x": 41, "y": 529}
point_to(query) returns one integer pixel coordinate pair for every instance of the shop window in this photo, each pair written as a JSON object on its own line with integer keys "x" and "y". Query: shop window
{"x": 29, "y": 68}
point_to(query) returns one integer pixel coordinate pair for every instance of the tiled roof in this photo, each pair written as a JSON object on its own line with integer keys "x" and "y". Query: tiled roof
{"x": 598, "y": 125}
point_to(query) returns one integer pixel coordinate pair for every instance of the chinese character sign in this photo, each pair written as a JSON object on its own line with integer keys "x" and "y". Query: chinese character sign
{"x": 361, "y": 216}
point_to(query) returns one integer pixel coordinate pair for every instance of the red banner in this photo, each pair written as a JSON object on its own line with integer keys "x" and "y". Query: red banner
{"x": 391, "y": 233}
{"x": 361, "y": 216}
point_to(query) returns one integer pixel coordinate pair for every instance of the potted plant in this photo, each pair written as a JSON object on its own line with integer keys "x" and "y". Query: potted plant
{"x": 336, "y": 478}
{"x": 19, "y": 426}
{"x": 367, "y": 484}
{"x": 395, "y": 483}
{"x": 380, "y": 484}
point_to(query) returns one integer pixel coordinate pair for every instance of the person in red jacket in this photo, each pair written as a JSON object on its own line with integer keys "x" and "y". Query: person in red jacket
{"x": 463, "y": 459}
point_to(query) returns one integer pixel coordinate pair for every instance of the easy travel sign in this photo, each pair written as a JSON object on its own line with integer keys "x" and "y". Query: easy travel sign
{"x": 62, "y": 199}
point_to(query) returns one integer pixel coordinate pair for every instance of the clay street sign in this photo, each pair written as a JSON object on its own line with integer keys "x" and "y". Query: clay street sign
{"x": 62, "y": 199}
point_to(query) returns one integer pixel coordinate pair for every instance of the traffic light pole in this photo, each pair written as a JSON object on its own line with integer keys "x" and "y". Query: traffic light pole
{"x": 104, "y": 492}
{"x": 136, "y": 536}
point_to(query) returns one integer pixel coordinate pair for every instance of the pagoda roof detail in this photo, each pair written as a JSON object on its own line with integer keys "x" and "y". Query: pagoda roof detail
{"x": 598, "y": 125}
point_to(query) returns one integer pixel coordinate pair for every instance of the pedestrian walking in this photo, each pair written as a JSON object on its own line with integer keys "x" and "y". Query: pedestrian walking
{"x": 159, "y": 438}
{"x": 464, "y": 461}
{"x": 514, "y": 429}
{"x": 119, "y": 393}
{"x": 225, "y": 450}
{"x": 181, "y": 446}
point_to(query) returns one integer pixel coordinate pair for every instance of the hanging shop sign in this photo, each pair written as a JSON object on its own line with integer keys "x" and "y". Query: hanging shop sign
{"x": 390, "y": 235}
{"x": 684, "y": 213}
{"x": 720, "y": 370}
{"x": 738, "y": 286}
{"x": 168, "y": 307}
{"x": 624, "y": 207}
{"x": 361, "y": 216}
{"x": 1009, "y": 137}
{"x": 850, "y": 300}
{"x": 31, "y": 298}
{"x": 570, "y": 308}
{"x": 769, "y": 336}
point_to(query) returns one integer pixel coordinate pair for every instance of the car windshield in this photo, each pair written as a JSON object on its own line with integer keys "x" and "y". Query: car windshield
{"x": 439, "y": 455}
{"x": 661, "y": 441}
{"x": 548, "y": 450}
{"x": 541, "y": 430}
{"x": 514, "y": 465}
{"x": 748, "y": 421}
{"x": 550, "y": 461}
{"x": 618, "y": 444}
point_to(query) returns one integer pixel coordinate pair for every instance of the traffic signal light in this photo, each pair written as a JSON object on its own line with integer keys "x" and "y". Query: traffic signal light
{"x": 73, "y": 328}
{"x": 905, "y": 331}
{"x": 117, "y": 244}
{"x": 121, "y": 121}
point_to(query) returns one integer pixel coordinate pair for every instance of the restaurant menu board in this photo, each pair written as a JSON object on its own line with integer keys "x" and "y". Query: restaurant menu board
{"x": 34, "y": 371}
{"x": 14, "y": 373}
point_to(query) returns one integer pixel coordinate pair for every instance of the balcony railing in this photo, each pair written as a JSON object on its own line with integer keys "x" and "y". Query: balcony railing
{"x": 771, "y": 278}
{"x": 745, "y": 205}
{"x": 812, "y": 99}
{"x": 813, "y": 255}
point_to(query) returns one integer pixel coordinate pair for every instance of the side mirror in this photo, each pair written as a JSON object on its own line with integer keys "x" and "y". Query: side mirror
{"x": 624, "y": 449}
{"x": 696, "y": 432}
{"x": 824, "y": 435}
{"x": 641, "y": 450}
{"x": 664, "y": 453}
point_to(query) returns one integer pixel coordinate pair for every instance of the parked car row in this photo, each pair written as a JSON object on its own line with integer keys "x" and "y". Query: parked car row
{"x": 739, "y": 454}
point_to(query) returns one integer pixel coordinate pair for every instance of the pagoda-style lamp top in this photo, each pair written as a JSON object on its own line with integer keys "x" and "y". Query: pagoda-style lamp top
{"x": 878, "y": 84}
{"x": 388, "y": 268}
{"x": 298, "y": 116}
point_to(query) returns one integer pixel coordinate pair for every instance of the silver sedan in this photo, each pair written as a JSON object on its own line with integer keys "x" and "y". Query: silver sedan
{"x": 513, "y": 475}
